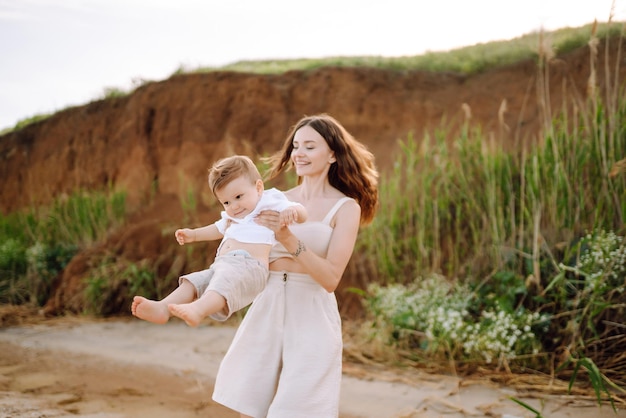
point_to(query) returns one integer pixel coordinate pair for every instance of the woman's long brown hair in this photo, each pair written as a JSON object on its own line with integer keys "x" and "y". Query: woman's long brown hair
{"x": 353, "y": 173}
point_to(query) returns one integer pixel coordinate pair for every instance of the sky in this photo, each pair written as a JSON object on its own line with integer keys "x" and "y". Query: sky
{"x": 61, "y": 53}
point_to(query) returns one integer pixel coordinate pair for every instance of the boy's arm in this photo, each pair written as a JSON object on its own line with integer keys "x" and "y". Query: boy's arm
{"x": 302, "y": 213}
{"x": 294, "y": 213}
{"x": 205, "y": 233}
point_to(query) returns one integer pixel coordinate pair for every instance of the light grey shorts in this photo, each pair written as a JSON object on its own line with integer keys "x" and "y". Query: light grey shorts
{"x": 237, "y": 276}
{"x": 285, "y": 359}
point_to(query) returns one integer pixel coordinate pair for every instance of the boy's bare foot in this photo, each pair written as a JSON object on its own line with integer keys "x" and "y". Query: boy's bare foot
{"x": 187, "y": 312}
{"x": 150, "y": 310}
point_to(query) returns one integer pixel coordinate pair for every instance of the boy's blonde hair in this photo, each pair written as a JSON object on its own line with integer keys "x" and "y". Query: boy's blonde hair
{"x": 228, "y": 169}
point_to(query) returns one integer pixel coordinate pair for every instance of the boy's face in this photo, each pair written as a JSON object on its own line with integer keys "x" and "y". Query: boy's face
{"x": 240, "y": 196}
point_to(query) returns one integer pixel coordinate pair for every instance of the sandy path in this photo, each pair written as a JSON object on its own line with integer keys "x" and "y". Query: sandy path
{"x": 130, "y": 368}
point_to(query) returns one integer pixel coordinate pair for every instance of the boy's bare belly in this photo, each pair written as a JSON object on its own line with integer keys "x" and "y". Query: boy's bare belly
{"x": 260, "y": 252}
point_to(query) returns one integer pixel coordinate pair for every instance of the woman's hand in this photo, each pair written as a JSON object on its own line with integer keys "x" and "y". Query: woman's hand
{"x": 288, "y": 216}
{"x": 271, "y": 219}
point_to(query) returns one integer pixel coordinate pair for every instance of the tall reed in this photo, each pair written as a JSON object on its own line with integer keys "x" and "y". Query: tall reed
{"x": 537, "y": 235}
{"x": 467, "y": 207}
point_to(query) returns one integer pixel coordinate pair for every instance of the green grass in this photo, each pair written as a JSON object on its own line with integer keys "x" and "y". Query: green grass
{"x": 537, "y": 235}
{"x": 465, "y": 60}
{"x": 37, "y": 244}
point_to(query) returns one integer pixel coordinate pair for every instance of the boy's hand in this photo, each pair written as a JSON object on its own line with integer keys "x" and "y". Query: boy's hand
{"x": 185, "y": 236}
{"x": 288, "y": 216}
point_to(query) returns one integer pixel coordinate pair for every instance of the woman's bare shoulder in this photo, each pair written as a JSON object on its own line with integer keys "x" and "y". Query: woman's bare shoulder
{"x": 351, "y": 207}
{"x": 349, "y": 213}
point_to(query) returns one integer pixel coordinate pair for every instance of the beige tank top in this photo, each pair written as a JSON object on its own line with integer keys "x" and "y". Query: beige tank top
{"x": 314, "y": 235}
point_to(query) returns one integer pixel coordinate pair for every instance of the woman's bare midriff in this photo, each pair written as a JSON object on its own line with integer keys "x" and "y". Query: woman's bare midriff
{"x": 260, "y": 252}
{"x": 286, "y": 264}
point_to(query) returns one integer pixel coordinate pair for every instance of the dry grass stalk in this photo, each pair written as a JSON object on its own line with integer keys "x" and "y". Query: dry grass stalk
{"x": 617, "y": 168}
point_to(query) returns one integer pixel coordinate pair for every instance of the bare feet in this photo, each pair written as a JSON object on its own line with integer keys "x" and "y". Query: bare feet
{"x": 150, "y": 310}
{"x": 187, "y": 312}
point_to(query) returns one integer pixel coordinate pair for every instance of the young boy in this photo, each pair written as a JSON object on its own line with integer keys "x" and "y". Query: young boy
{"x": 240, "y": 269}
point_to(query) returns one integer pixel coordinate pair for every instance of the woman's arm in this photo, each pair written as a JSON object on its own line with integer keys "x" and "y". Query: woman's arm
{"x": 326, "y": 271}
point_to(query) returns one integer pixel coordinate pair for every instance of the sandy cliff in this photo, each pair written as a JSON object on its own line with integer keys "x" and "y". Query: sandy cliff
{"x": 158, "y": 142}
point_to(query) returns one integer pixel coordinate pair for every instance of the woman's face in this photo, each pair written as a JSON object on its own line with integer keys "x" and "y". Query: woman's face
{"x": 311, "y": 155}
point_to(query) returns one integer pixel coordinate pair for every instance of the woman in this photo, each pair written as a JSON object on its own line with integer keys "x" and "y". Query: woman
{"x": 285, "y": 360}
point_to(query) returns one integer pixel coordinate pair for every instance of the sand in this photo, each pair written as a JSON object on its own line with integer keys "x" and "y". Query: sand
{"x": 80, "y": 367}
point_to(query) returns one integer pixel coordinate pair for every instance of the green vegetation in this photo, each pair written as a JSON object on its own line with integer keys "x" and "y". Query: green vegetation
{"x": 113, "y": 281}
{"x": 515, "y": 260}
{"x": 25, "y": 122}
{"x": 36, "y": 245}
{"x": 113, "y": 92}
{"x": 467, "y": 60}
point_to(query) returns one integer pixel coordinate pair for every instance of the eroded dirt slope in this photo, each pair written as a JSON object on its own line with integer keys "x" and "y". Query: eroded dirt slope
{"x": 158, "y": 142}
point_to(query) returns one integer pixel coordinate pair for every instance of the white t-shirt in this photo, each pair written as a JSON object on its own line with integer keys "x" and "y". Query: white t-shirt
{"x": 246, "y": 229}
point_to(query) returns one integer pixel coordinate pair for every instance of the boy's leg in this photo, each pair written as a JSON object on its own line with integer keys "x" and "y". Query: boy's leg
{"x": 156, "y": 311}
{"x": 192, "y": 313}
